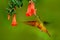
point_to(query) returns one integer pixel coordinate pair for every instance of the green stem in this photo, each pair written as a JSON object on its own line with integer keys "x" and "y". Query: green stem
{"x": 38, "y": 18}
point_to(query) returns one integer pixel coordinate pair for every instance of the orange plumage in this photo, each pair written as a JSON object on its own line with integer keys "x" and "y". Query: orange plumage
{"x": 39, "y": 25}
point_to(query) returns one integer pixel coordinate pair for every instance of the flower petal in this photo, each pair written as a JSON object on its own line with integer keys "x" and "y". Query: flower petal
{"x": 14, "y": 23}
{"x": 8, "y": 16}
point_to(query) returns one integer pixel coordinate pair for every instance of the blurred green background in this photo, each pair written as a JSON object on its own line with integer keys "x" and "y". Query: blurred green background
{"x": 47, "y": 10}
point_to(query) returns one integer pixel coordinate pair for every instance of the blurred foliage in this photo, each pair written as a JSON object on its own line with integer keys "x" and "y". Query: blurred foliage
{"x": 47, "y": 10}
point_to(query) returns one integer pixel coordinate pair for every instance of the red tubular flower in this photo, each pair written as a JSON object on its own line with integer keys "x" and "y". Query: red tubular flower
{"x": 14, "y": 23}
{"x": 31, "y": 9}
{"x": 8, "y": 16}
